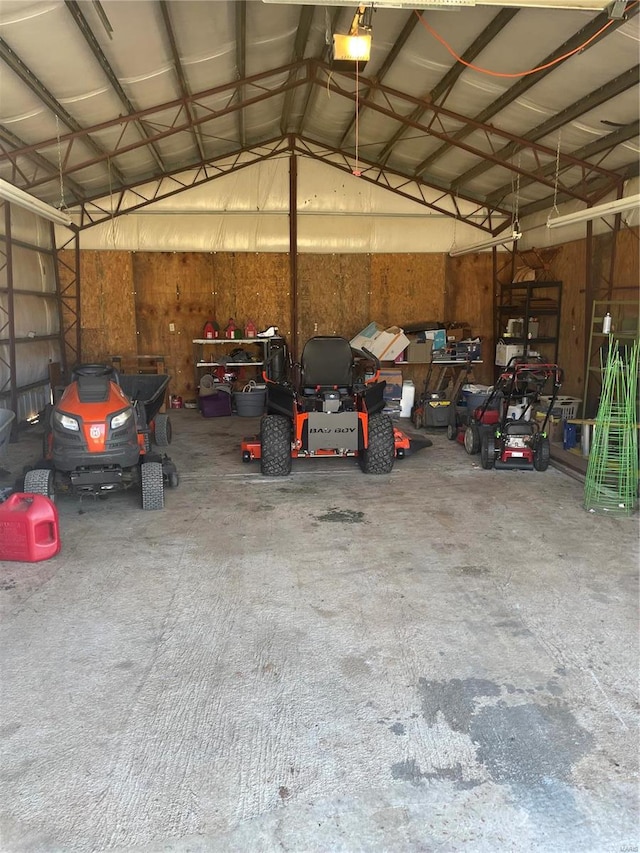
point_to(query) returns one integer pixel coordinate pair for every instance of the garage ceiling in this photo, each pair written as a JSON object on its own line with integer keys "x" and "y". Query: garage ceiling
{"x": 141, "y": 99}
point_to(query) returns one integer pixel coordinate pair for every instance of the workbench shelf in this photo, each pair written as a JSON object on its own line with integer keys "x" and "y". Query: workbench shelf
{"x": 222, "y": 346}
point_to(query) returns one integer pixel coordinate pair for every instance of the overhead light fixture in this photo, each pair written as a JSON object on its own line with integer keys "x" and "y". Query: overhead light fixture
{"x": 589, "y": 213}
{"x": 513, "y": 237}
{"x": 14, "y": 195}
{"x": 351, "y": 48}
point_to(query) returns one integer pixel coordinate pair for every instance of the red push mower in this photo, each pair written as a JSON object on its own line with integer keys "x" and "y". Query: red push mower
{"x": 515, "y": 441}
{"x": 333, "y": 409}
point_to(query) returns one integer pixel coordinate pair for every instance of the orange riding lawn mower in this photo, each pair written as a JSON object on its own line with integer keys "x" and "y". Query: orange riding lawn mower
{"x": 334, "y": 407}
{"x": 98, "y": 437}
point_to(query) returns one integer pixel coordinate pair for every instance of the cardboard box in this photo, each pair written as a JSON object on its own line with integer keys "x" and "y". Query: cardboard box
{"x": 438, "y": 338}
{"x": 385, "y": 344}
{"x": 458, "y": 333}
{"x": 419, "y": 352}
{"x": 393, "y": 389}
{"x": 555, "y": 426}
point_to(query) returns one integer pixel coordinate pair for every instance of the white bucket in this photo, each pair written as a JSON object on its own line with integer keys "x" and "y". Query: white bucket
{"x": 408, "y": 398}
{"x": 516, "y": 410}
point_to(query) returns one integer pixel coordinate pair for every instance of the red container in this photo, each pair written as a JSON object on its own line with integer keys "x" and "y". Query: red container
{"x": 29, "y": 529}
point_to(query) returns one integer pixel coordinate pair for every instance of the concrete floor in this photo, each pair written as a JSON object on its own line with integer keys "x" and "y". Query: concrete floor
{"x": 440, "y": 659}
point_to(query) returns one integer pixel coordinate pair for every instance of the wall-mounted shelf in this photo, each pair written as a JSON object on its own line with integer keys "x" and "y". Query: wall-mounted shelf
{"x": 202, "y": 344}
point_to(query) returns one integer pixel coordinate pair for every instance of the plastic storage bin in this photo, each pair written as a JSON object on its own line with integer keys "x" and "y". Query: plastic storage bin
{"x": 250, "y": 402}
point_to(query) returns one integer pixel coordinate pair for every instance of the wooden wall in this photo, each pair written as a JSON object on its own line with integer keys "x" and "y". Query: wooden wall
{"x": 129, "y": 300}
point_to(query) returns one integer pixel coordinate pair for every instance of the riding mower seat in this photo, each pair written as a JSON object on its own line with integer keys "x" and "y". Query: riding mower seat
{"x": 330, "y": 411}
{"x": 326, "y": 374}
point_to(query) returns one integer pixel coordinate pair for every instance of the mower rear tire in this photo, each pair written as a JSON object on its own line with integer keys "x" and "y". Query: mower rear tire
{"x": 472, "y": 439}
{"x": 162, "y": 432}
{"x": 152, "y": 482}
{"x": 541, "y": 453}
{"x": 379, "y": 456}
{"x": 275, "y": 454}
{"x": 488, "y": 452}
{"x": 40, "y": 481}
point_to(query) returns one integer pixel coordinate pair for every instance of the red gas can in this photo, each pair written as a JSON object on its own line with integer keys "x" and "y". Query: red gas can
{"x": 29, "y": 529}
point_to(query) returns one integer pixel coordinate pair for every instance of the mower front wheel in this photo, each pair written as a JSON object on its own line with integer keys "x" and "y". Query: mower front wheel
{"x": 379, "y": 456}
{"x": 542, "y": 454}
{"x": 275, "y": 453}
{"x": 152, "y": 481}
{"x": 40, "y": 481}
{"x": 488, "y": 452}
{"x": 472, "y": 439}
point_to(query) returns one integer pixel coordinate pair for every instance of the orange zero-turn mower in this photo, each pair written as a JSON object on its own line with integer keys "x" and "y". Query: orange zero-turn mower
{"x": 330, "y": 410}
{"x": 97, "y": 439}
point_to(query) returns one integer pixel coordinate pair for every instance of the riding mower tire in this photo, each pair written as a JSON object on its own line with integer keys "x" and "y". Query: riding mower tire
{"x": 542, "y": 454}
{"x": 275, "y": 453}
{"x": 379, "y": 456}
{"x": 488, "y": 452}
{"x": 152, "y": 482}
{"x": 162, "y": 432}
{"x": 40, "y": 481}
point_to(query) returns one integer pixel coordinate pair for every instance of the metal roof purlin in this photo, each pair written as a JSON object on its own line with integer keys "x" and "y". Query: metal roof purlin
{"x": 525, "y": 83}
{"x": 74, "y": 9}
{"x": 446, "y": 83}
{"x": 593, "y": 99}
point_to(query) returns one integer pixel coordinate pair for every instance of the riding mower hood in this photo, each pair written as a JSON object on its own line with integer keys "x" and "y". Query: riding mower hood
{"x": 516, "y": 441}
{"x": 98, "y": 436}
{"x": 333, "y": 409}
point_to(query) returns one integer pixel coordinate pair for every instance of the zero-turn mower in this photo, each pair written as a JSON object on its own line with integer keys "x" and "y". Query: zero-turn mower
{"x": 332, "y": 409}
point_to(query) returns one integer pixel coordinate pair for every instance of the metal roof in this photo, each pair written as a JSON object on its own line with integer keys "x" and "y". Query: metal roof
{"x": 141, "y": 99}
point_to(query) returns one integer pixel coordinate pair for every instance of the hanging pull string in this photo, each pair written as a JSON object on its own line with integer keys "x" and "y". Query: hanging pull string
{"x": 515, "y": 224}
{"x": 455, "y": 223}
{"x": 62, "y": 205}
{"x": 357, "y": 171}
{"x": 554, "y": 209}
{"x": 586, "y": 43}
{"x": 112, "y": 227}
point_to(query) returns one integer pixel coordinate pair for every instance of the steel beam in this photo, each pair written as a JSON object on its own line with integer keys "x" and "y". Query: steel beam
{"x": 592, "y": 149}
{"x": 10, "y": 58}
{"x": 81, "y": 22}
{"x": 599, "y": 96}
{"x": 302, "y": 36}
{"x": 525, "y": 83}
{"x": 241, "y": 62}
{"x": 446, "y": 83}
{"x": 389, "y": 59}
{"x": 177, "y": 65}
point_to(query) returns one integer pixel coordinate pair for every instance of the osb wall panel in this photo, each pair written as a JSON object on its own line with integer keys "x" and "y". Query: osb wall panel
{"x": 252, "y": 287}
{"x": 333, "y": 295}
{"x": 107, "y": 307}
{"x": 407, "y": 288}
{"x": 172, "y": 288}
{"x": 469, "y": 300}
{"x": 568, "y": 266}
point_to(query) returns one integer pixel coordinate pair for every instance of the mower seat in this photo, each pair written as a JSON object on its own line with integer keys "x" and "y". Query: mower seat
{"x": 326, "y": 363}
